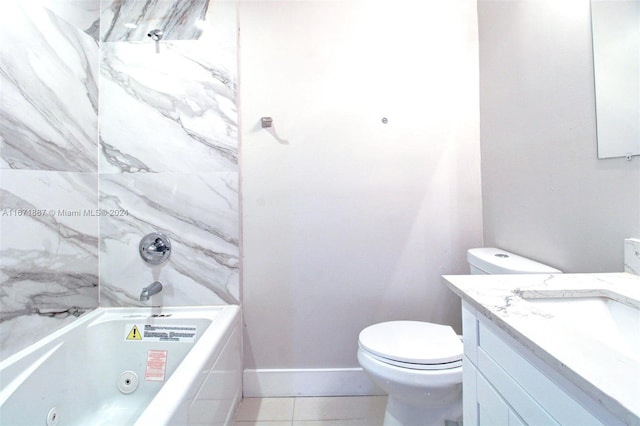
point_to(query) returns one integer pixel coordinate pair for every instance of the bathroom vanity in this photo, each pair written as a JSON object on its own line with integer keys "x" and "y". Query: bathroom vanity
{"x": 550, "y": 349}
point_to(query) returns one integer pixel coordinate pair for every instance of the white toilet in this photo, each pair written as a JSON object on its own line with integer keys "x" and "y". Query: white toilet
{"x": 419, "y": 364}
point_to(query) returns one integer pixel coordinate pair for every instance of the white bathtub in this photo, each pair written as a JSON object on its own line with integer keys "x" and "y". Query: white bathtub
{"x": 187, "y": 362}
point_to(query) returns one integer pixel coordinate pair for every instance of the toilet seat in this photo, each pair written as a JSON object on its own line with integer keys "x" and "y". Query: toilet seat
{"x": 413, "y": 344}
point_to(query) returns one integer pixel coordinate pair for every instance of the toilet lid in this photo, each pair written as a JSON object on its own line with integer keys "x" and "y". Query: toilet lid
{"x": 412, "y": 342}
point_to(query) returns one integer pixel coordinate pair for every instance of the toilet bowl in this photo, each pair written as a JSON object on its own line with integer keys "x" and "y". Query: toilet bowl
{"x": 419, "y": 364}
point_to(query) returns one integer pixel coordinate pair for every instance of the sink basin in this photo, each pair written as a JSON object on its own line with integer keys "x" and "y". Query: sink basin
{"x": 604, "y": 318}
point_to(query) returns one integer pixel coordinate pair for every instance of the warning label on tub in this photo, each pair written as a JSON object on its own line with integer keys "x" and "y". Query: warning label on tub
{"x": 160, "y": 333}
{"x": 134, "y": 334}
{"x": 156, "y": 365}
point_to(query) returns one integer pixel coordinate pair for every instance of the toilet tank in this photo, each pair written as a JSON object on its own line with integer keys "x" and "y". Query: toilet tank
{"x": 489, "y": 260}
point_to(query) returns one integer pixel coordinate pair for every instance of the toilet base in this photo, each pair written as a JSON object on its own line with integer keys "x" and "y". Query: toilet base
{"x": 402, "y": 414}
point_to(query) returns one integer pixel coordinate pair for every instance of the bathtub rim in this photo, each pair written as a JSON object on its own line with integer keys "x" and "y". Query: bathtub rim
{"x": 94, "y": 317}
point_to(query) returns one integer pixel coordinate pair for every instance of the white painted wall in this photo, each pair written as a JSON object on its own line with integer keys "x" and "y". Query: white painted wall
{"x": 353, "y": 221}
{"x": 545, "y": 194}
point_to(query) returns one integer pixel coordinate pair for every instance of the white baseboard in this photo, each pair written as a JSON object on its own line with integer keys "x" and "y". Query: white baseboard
{"x": 308, "y": 382}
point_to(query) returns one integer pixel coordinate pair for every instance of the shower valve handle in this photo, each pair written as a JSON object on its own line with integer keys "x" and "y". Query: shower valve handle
{"x": 155, "y": 248}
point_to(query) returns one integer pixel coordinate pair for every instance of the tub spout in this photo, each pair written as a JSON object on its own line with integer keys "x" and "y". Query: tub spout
{"x": 150, "y": 290}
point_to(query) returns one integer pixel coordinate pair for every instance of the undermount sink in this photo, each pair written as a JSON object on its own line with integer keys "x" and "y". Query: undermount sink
{"x": 602, "y": 317}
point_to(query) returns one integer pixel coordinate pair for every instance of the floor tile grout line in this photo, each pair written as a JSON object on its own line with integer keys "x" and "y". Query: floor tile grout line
{"x": 293, "y": 412}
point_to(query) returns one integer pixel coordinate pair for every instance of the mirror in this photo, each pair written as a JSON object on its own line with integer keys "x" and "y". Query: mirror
{"x": 616, "y": 59}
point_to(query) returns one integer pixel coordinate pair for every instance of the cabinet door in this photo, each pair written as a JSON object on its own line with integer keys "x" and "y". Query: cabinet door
{"x": 492, "y": 410}
{"x": 469, "y": 392}
{"x": 536, "y": 398}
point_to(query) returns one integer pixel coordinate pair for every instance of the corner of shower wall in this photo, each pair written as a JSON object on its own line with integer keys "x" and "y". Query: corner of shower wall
{"x": 75, "y": 202}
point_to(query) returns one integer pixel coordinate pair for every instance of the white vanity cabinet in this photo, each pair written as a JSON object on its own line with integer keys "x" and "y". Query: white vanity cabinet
{"x": 505, "y": 384}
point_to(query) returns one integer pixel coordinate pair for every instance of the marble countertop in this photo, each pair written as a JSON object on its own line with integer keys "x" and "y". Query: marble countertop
{"x": 606, "y": 373}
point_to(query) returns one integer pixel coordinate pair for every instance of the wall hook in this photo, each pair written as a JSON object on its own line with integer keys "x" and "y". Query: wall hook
{"x": 267, "y": 124}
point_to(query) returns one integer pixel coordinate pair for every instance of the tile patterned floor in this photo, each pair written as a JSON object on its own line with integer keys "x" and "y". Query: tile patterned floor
{"x": 312, "y": 411}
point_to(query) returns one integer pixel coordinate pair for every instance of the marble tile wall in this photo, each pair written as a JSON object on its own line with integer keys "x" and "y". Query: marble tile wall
{"x": 169, "y": 154}
{"x": 48, "y": 169}
{"x": 197, "y": 211}
{"x": 132, "y": 20}
{"x": 75, "y": 200}
{"x": 632, "y": 255}
{"x": 49, "y": 102}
